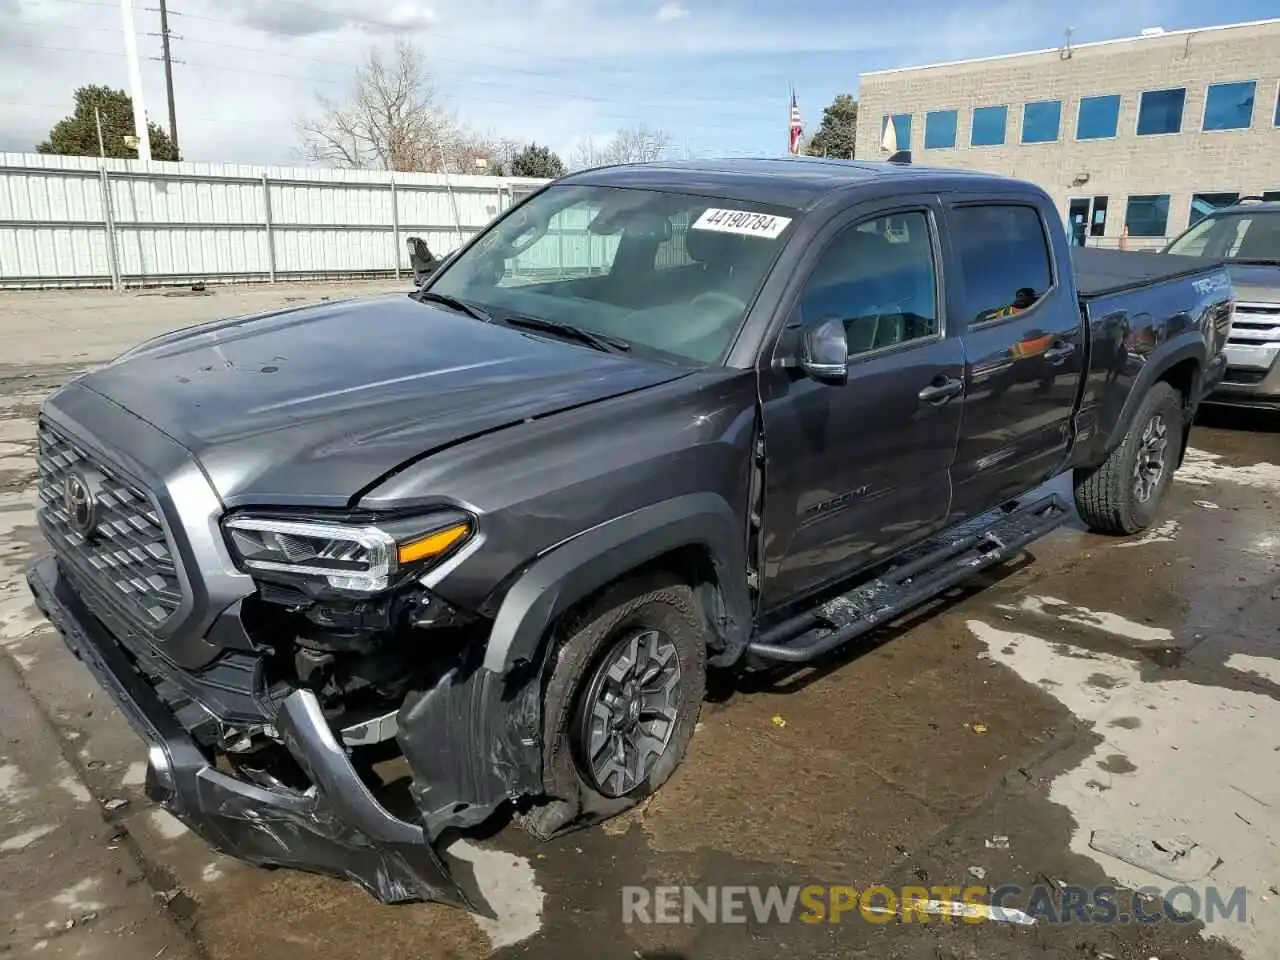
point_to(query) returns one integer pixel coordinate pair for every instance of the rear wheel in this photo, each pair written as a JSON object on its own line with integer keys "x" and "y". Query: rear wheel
{"x": 1123, "y": 495}
{"x": 626, "y": 686}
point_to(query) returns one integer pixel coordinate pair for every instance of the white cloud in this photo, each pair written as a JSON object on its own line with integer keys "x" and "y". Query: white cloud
{"x": 672, "y": 10}
{"x": 550, "y": 69}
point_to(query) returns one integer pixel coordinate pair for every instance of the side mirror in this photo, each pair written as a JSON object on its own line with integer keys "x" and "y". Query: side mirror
{"x": 824, "y": 352}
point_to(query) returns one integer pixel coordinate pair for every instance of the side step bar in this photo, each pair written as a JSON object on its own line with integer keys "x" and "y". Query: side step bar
{"x": 919, "y": 576}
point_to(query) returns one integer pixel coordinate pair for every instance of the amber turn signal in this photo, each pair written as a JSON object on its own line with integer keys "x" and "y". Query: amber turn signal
{"x": 433, "y": 544}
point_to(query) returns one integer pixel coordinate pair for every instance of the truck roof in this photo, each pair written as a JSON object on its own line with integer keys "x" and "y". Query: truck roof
{"x": 800, "y": 182}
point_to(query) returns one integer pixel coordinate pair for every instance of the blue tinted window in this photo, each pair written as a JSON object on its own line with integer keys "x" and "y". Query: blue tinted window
{"x": 1160, "y": 111}
{"x": 988, "y": 126}
{"x": 901, "y": 128}
{"x": 1229, "y": 106}
{"x": 1203, "y": 204}
{"x": 1040, "y": 121}
{"x": 1147, "y": 216}
{"x": 1277, "y": 109}
{"x": 939, "y": 129}
{"x": 1099, "y": 117}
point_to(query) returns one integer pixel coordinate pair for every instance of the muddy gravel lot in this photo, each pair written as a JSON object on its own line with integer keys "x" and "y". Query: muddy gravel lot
{"x": 1101, "y": 713}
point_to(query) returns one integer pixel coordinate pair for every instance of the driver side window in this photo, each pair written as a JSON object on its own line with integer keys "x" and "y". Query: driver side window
{"x": 878, "y": 277}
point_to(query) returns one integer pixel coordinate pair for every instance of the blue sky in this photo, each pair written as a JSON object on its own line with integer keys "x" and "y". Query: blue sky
{"x": 714, "y": 73}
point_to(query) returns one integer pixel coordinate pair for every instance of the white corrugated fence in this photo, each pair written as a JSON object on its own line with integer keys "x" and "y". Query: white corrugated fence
{"x": 82, "y": 221}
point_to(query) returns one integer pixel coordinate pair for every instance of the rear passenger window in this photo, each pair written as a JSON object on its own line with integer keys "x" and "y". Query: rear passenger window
{"x": 878, "y": 278}
{"x": 1004, "y": 259}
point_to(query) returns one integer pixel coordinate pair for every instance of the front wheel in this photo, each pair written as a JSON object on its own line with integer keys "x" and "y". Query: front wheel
{"x": 1123, "y": 495}
{"x": 626, "y": 687}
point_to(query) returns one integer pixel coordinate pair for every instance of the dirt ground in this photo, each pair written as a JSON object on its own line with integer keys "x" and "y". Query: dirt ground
{"x": 1100, "y": 688}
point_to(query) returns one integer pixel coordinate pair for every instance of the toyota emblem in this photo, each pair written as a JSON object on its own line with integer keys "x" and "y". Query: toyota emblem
{"x": 80, "y": 503}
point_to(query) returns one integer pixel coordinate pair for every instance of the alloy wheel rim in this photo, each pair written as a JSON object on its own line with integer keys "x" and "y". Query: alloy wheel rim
{"x": 627, "y": 715}
{"x": 1149, "y": 468}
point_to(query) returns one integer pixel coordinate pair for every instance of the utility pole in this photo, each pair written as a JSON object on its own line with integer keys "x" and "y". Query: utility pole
{"x": 97, "y": 119}
{"x": 135, "y": 81}
{"x": 168, "y": 75}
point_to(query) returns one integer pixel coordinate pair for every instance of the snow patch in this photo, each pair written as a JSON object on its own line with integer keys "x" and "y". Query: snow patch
{"x": 1203, "y": 468}
{"x": 1200, "y": 763}
{"x": 1266, "y": 667}
{"x": 79, "y": 792}
{"x": 73, "y": 898}
{"x": 27, "y": 838}
{"x": 1111, "y": 623}
{"x": 1165, "y": 533}
{"x": 167, "y": 825}
{"x": 508, "y": 884}
{"x": 12, "y": 780}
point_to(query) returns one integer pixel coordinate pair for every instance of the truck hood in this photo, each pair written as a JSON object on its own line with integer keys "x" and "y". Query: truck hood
{"x": 1256, "y": 284}
{"x": 309, "y": 406}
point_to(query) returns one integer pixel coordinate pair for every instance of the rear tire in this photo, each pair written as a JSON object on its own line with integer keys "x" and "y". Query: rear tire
{"x": 627, "y": 679}
{"x": 1123, "y": 495}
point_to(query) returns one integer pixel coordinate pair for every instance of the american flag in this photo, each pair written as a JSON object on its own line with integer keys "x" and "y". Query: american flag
{"x": 797, "y": 127}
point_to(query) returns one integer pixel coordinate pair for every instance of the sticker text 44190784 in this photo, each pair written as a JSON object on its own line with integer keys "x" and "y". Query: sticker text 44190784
{"x": 742, "y": 222}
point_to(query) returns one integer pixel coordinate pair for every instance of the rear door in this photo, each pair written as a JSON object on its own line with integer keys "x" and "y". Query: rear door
{"x": 1023, "y": 345}
{"x": 856, "y": 469}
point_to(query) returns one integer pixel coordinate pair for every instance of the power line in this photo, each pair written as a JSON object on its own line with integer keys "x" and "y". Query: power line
{"x": 606, "y": 83}
{"x": 542, "y": 97}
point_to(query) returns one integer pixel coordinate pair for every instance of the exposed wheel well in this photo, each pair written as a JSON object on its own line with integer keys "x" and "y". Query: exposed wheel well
{"x": 1183, "y": 377}
{"x": 693, "y": 564}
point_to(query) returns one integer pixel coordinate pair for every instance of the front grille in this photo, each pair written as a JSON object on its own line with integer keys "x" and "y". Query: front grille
{"x": 1255, "y": 324}
{"x": 126, "y": 554}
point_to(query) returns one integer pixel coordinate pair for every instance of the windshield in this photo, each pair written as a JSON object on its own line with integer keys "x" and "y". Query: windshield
{"x": 666, "y": 273}
{"x": 1246, "y": 235}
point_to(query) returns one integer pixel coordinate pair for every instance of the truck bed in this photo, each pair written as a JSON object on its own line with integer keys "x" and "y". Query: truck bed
{"x": 1101, "y": 272}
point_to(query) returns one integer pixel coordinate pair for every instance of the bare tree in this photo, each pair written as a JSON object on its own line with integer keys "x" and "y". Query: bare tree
{"x": 634, "y": 145}
{"x": 391, "y": 120}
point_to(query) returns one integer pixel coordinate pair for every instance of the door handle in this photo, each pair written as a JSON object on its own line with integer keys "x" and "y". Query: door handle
{"x": 1059, "y": 352}
{"x": 941, "y": 390}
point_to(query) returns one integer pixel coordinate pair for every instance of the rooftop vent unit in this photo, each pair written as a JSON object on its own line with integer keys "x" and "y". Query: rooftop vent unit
{"x": 1152, "y": 31}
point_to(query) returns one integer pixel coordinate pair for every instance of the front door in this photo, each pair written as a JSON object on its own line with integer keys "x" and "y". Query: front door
{"x": 855, "y": 470}
{"x": 1078, "y": 221}
{"x": 1023, "y": 351}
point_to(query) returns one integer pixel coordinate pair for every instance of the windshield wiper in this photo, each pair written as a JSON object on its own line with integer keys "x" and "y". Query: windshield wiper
{"x": 598, "y": 341}
{"x": 470, "y": 309}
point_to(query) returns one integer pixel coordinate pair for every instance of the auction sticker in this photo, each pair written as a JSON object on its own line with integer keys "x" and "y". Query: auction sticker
{"x": 742, "y": 222}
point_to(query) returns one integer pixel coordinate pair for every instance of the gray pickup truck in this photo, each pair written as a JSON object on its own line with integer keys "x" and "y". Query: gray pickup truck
{"x": 655, "y": 419}
{"x": 1245, "y": 236}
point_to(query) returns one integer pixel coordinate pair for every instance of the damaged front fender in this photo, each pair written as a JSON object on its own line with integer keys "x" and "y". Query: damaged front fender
{"x": 472, "y": 742}
{"x": 335, "y": 827}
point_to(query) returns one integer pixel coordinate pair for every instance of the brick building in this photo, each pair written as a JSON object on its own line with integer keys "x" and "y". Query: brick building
{"x": 1147, "y": 131}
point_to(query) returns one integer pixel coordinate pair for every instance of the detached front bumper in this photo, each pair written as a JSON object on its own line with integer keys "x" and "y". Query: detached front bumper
{"x": 337, "y": 827}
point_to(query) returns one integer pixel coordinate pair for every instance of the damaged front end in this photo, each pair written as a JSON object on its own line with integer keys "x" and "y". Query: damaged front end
{"x": 281, "y": 668}
{"x": 322, "y": 817}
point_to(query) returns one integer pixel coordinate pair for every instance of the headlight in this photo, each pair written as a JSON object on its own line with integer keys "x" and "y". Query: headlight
{"x": 357, "y": 558}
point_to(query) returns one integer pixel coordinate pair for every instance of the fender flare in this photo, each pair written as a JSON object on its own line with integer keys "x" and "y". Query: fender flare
{"x": 582, "y": 564}
{"x": 1186, "y": 346}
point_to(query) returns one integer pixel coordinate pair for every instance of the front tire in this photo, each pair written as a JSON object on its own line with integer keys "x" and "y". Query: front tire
{"x": 1123, "y": 495}
{"x": 627, "y": 680}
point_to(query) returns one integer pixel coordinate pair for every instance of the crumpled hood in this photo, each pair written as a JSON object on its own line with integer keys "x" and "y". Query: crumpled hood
{"x": 309, "y": 406}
